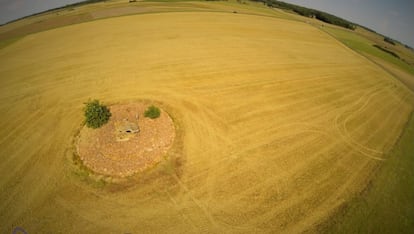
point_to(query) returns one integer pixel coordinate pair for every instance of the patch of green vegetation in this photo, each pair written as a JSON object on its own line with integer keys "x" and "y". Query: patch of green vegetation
{"x": 152, "y": 112}
{"x": 101, "y": 183}
{"x": 8, "y": 42}
{"x": 364, "y": 46}
{"x": 81, "y": 174}
{"x": 86, "y": 177}
{"x": 96, "y": 114}
{"x": 387, "y": 51}
{"x": 387, "y": 205}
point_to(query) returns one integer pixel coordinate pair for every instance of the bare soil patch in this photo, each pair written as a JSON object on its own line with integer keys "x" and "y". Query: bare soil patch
{"x": 116, "y": 150}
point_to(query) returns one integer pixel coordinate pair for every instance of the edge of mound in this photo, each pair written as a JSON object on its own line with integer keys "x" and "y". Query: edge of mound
{"x": 170, "y": 161}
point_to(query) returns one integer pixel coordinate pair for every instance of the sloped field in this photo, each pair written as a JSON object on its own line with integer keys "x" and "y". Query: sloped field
{"x": 280, "y": 124}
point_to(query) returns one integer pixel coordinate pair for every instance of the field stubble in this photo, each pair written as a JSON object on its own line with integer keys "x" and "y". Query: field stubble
{"x": 281, "y": 124}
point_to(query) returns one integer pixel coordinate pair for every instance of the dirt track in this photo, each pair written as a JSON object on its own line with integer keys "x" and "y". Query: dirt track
{"x": 281, "y": 123}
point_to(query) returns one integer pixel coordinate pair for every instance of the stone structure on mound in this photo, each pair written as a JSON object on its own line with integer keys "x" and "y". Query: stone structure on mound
{"x": 125, "y": 130}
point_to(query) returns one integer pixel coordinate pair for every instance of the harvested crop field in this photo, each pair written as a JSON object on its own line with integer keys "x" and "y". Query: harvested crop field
{"x": 280, "y": 124}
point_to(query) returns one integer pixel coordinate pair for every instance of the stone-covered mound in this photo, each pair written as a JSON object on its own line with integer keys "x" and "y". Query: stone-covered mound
{"x": 128, "y": 143}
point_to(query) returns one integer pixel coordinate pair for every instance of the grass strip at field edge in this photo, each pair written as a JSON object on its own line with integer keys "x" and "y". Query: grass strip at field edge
{"x": 386, "y": 205}
{"x": 363, "y": 45}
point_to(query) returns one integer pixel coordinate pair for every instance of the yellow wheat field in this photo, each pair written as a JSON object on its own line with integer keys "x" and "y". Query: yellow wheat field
{"x": 280, "y": 123}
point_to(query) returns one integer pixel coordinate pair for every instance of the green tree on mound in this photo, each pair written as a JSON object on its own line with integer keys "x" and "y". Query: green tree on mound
{"x": 96, "y": 114}
{"x": 152, "y": 112}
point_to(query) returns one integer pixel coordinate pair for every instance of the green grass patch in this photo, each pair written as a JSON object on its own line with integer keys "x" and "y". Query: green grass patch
{"x": 8, "y": 42}
{"x": 152, "y": 112}
{"x": 387, "y": 206}
{"x": 364, "y": 46}
{"x": 387, "y": 51}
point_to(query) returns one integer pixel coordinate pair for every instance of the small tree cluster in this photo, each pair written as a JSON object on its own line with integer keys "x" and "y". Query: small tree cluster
{"x": 389, "y": 40}
{"x": 320, "y": 15}
{"x": 96, "y": 114}
{"x": 152, "y": 112}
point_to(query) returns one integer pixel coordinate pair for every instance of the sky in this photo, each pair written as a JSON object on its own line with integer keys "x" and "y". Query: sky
{"x": 388, "y": 17}
{"x": 392, "y": 18}
{"x": 14, "y": 9}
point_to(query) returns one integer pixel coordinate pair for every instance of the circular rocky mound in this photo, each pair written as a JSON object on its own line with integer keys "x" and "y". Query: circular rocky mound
{"x": 128, "y": 143}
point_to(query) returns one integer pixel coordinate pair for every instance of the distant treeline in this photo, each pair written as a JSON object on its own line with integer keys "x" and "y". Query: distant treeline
{"x": 58, "y": 8}
{"x": 366, "y": 28}
{"x": 408, "y": 47}
{"x": 320, "y": 15}
{"x": 389, "y": 40}
{"x": 395, "y": 42}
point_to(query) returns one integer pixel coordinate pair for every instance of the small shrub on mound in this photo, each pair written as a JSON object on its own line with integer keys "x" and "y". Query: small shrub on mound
{"x": 152, "y": 112}
{"x": 96, "y": 114}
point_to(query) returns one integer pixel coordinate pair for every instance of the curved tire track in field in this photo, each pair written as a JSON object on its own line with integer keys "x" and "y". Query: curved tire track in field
{"x": 341, "y": 126}
{"x": 274, "y": 125}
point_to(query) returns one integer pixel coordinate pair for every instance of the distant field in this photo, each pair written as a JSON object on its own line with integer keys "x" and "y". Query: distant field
{"x": 74, "y": 15}
{"x": 364, "y": 46}
{"x": 281, "y": 124}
